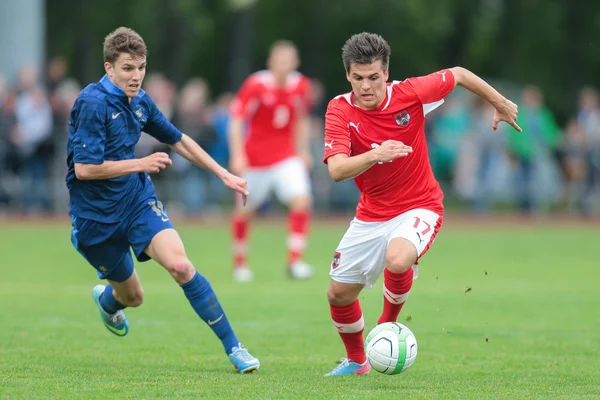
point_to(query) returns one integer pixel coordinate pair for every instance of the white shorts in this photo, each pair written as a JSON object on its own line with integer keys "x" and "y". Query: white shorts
{"x": 288, "y": 179}
{"x": 360, "y": 256}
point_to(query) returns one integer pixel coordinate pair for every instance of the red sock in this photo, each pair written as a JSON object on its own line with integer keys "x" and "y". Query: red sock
{"x": 349, "y": 322}
{"x": 239, "y": 228}
{"x": 396, "y": 288}
{"x": 298, "y": 222}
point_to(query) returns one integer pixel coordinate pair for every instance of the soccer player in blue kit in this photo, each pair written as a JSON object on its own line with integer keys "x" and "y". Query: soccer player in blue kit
{"x": 113, "y": 205}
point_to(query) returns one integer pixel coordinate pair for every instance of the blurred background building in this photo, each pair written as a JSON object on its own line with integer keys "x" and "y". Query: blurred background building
{"x": 542, "y": 54}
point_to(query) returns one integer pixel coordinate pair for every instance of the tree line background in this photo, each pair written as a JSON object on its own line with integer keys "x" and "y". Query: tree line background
{"x": 549, "y": 43}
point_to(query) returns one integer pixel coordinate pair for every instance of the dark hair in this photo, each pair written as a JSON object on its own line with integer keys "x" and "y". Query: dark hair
{"x": 123, "y": 40}
{"x": 366, "y": 48}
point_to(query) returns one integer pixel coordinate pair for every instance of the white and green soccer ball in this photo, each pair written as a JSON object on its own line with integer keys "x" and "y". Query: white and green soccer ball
{"x": 391, "y": 348}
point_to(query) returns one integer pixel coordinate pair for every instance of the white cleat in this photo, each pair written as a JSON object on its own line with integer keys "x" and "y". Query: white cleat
{"x": 242, "y": 274}
{"x": 301, "y": 270}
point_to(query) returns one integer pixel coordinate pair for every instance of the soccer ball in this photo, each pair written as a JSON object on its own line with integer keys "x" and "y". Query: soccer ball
{"x": 391, "y": 348}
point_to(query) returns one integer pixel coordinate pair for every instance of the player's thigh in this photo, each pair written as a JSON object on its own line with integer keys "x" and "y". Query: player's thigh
{"x": 105, "y": 247}
{"x": 145, "y": 224}
{"x": 410, "y": 236}
{"x": 292, "y": 182}
{"x": 166, "y": 248}
{"x": 260, "y": 184}
{"x": 360, "y": 256}
{"x": 153, "y": 236}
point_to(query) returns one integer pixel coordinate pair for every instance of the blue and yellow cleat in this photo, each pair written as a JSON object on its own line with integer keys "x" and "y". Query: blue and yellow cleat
{"x": 243, "y": 361}
{"x": 349, "y": 367}
{"x": 116, "y": 323}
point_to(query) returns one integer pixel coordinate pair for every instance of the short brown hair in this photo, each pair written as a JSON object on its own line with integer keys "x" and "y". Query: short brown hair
{"x": 123, "y": 40}
{"x": 366, "y": 48}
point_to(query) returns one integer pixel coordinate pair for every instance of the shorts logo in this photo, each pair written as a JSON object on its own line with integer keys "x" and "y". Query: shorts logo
{"x": 402, "y": 118}
{"x": 159, "y": 210}
{"x": 336, "y": 260}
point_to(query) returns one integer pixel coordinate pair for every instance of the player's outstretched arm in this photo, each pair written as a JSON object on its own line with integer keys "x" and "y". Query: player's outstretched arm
{"x": 237, "y": 154}
{"x": 343, "y": 167}
{"x": 113, "y": 169}
{"x": 302, "y": 132}
{"x": 506, "y": 110}
{"x": 190, "y": 150}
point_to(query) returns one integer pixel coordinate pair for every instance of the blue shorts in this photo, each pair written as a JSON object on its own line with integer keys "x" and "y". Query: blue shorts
{"x": 107, "y": 246}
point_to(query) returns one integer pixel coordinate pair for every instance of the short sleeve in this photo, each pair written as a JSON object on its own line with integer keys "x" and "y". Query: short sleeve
{"x": 89, "y": 135}
{"x": 337, "y": 136}
{"x": 159, "y": 126}
{"x": 433, "y": 87}
{"x": 241, "y": 104}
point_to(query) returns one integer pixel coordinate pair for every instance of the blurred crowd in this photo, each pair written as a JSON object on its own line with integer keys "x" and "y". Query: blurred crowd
{"x": 546, "y": 168}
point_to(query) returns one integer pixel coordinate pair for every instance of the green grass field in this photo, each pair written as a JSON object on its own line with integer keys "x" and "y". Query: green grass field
{"x": 529, "y": 328}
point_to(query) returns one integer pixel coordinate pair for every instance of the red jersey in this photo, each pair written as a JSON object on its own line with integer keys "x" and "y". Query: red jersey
{"x": 392, "y": 188}
{"x": 271, "y": 113}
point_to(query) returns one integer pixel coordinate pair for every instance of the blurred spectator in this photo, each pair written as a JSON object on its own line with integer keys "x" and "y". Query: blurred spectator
{"x": 574, "y": 154}
{"x": 193, "y": 118}
{"x": 447, "y": 127}
{"x": 163, "y": 94}
{"x": 32, "y": 140}
{"x": 530, "y": 149}
{"x": 482, "y": 165}
{"x": 589, "y": 119}
{"x": 220, "y": 117}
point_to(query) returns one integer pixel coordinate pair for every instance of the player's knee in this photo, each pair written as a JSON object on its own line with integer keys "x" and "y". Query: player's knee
{"x": 338, "y": 298}
{"x": 134, "y": 299}
{"x": 300, "y": 203}
{"x": 181, "y": 269}
{"x": 400, "y": 262}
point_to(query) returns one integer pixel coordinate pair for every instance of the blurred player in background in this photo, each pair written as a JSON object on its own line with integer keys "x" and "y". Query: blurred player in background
{"x": 113, "y": 205}
{"x": 269, "y": 148}
{"x": 375, "y": 134}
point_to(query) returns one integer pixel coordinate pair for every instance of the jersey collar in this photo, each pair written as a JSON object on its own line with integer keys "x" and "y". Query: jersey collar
{"x": 114, "y": 89}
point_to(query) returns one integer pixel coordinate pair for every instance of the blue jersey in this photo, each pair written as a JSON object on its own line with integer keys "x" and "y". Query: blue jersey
{"x": 105, "y": 126}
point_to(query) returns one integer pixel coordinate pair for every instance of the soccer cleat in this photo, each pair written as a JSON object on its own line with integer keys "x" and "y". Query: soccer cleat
{"x": 243, "y": 361}
{"x": 116, "y": 323}
{"x": 349, "y": 367}
{"x": 242, "y": 274}
{"x": 301, "y": 270}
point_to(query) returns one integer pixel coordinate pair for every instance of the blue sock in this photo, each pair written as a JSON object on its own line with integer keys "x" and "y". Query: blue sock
{"x": 108, "y": 301}
{"x": 204, "y": 301}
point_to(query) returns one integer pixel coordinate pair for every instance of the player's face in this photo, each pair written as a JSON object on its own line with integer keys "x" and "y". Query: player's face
{"x": 368, "y": 84}
{"x": 127, "y": 73}
{"x": 283, "y": 61}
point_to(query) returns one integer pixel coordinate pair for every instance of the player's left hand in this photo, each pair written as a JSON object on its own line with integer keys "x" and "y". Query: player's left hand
{"x": 506, "y": 111}
{"x": 238, "y": 184}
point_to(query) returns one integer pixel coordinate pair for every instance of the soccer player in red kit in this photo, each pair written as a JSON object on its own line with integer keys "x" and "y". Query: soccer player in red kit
{"x": 269, "y": 146}
{"x": 375, "y": 134}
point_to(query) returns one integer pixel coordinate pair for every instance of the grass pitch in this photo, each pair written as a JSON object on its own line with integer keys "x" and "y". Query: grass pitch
{"x": 498, "y": 312}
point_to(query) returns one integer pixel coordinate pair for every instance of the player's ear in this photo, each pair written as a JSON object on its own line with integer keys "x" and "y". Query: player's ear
{"x": 347, "y": 76}
{"x": 386, "y": 74}
{"x": 108, "y": 68}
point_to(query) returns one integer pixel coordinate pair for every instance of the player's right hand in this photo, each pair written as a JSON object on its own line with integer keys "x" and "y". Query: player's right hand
{"x": 390, "y": 150}
{"x": 155, "y": 162}
{"x": 238, "y": 184}
{"x": 238, "y": 165}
